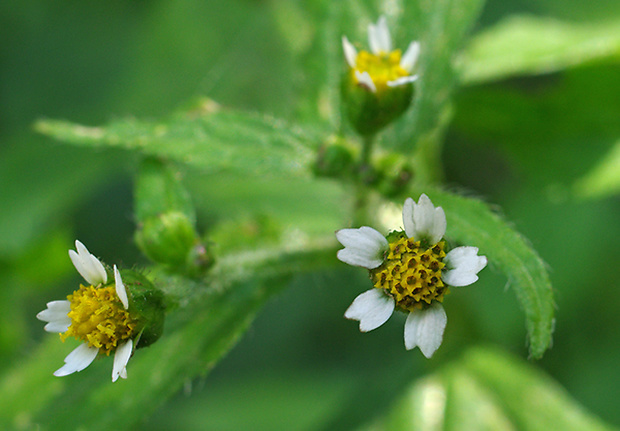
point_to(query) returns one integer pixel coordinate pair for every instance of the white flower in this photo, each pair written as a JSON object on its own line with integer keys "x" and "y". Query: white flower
{"x": 410, "y": 272}
{"x": 381, "y": 67}
{"x": 63, "y": 315}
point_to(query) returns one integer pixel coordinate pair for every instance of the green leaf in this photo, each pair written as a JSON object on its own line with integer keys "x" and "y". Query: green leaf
{"x": 218, "y": 310}
{"x": 208, "y": 138}
{"x": 158, "y": 190}
{"x": 528, "y": 45}
{"x": 604, "y": 178}
{"x": 441, "y": 27}
{"x": 489, "y": 390}
{"x": 471, "y": 222}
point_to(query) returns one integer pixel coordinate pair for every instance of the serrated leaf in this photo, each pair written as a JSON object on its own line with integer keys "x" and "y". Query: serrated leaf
{"x": 471, "y": 222}
{"x": 528, "y": 45}
{"x": 207, "y": 138}
{"x": 489, "y": 390}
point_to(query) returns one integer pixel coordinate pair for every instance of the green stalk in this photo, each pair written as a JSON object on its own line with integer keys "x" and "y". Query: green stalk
{"x": 362, "y": 191}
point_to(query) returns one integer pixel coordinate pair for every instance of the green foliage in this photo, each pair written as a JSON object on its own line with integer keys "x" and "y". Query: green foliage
{"x": 159, "y": 190}
{"x": 248, "y": 197}
{"x": 218, "y": 310}
{"x": 524, "y": 45}
{"x": 488, "y": 390}
{"x": 205, "y": 137}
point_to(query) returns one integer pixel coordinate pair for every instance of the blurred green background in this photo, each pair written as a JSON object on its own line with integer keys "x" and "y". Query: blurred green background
{"x": 522, "y": 141}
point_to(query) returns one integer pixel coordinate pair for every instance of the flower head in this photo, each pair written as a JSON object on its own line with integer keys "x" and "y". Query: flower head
{"x": 377, "y": 88}
{"x": 100, "y": 315}
{"x": 410, "y": 272}
{"x": 382, "y": 67}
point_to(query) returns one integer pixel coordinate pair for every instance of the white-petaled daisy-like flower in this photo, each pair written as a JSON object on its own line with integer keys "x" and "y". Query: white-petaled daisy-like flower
{"x": 410, "y": 272}
{"x": 377, "y": 87}
{"x": 382, "y": 67}
{"x": 101, "y": 316}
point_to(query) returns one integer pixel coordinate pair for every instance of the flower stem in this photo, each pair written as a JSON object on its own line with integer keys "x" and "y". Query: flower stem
{"x": 364, "y": 176}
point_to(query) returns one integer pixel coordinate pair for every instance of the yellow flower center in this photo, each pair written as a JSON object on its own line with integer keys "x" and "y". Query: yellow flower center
{"x": 382, "y": 67}
{"x": 99, "y": 318}
{"x": 411, "y": 274}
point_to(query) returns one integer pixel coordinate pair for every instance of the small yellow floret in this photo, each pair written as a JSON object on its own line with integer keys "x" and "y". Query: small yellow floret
{"x": 411, "y": 275}
{"x": 99, "y": 318}
{"x": 382, "y": 67}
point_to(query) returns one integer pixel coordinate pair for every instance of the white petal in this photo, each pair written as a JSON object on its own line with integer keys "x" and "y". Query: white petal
{"x": 77, "y": 360}
{"x": 61, "y": 305}
{"x": 402, "y": 81}
{"x": 462, "y": 266}
{"x": 88, "y": 265}
{"x": 379, "y": 37}
{"x": 408, "y": 217}
{"x": 350, "y": 53}
{"x": 51, "y": 316}
{"x": 58, "y": 326}
{"x": 372, "y": 308}
{"x": 54, "y": 311}
{"x": 56, "y": 314}
{"x": 410, "y": 58}
{"x": 121, "y": 357}
{"x": 364, "y": 79}
{"x": 362, "y": 247}
{"x": 424, "y": 329}
{"x": 120, "y": 288}
{"x": 423, "y": 220}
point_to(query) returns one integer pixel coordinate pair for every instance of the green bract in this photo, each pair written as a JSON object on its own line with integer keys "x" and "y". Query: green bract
{"x": 369, "y": 112}
{"x": 146, "y": 305}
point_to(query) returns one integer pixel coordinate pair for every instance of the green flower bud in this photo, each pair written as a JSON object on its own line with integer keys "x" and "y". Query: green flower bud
{"x": 334, "y": 160}
{"x": 168, "y": 238}
{"x": 395, "y": 173}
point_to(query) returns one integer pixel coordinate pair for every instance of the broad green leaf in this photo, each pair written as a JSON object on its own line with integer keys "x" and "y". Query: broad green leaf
{"x": 471, "y": 222}
{"x": 489, "y": 390}
{"x": 208, "y": 138}
{"x": 604, "y": 178}
{"x": 528, "y": 45}
{"x": 216, "y": 313}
